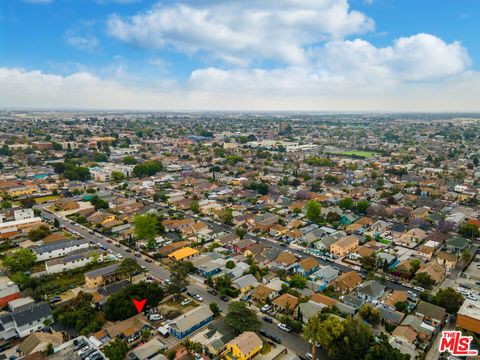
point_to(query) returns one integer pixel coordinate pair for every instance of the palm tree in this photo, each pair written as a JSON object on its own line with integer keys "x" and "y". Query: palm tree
{"x": 312, "y": 332}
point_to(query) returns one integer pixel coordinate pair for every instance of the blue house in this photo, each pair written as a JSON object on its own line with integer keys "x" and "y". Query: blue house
{"x": 307, "y": 266}
{"x": 209, "y": 268}
{"x": 188, "y": 323}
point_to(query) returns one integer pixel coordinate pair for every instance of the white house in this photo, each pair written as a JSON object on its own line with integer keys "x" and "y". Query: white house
{"x": 25, "y": 317}
{"x": 59, "y": 248}
{"x": 73, "y": 260}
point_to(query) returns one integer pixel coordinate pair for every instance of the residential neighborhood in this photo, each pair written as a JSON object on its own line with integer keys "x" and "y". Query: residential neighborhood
{"x": 246, "y": 239}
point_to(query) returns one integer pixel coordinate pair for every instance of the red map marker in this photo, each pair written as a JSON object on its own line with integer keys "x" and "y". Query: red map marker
{"x": 139, "y": 304}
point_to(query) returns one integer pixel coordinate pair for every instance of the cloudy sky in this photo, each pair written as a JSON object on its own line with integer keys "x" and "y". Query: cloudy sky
{"x": 325, "y": 55}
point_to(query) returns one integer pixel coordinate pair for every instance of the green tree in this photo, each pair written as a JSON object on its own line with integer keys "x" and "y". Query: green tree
{"x": 449, "y": 299}
{"x": 117, "y": 176}
{"x": 50, "y": 349}
{"x": 145, "y": 226}
{"x": 146, "y": 334}
{"x": 147, "y": 168}
{"x": 401, "y": 306}
{"x": 215, "y": 309}
{"x": 223, "y": 283}
{"x": 79, "y": 314}
{"x": 178, "y": 277}
{"x": 194, "y": 206}
{"x": 20, "y": 260}
{"x": 226, "y": 216}
{"x": 119, "y": 306}
{"x": 298, "y": 281}
{"x": 116, "y": 349}
{"x": 241, "y": 232}
{"x": 56, "y": 223}
{"x": 230, "y": 264}
{"x": 129, "y": 160}
{"x": 369, "y": 314}
{"x": 312, "y": 210}
{"x": 241, "y": 318}
{"x": 424, "y": 280}
{"x": 465, "y": 255}
{"x": 346, "y": 203}
{"x": 469, "y": 230}
{"x": 313, "y": 332}
{"x": 382, "y": 350}
{"x": 362, "y": 206}
{"x": 39, "y": 233}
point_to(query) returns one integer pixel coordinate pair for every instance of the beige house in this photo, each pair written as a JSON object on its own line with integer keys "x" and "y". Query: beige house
{"x": 344, "y": 245}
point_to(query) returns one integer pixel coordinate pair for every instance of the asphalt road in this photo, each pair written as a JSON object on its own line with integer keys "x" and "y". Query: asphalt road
{"x": 291, "y": 340}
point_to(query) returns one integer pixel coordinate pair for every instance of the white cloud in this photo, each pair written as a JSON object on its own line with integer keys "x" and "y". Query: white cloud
{"x": 82, "y": 37}
{"x": 243, "y": 31}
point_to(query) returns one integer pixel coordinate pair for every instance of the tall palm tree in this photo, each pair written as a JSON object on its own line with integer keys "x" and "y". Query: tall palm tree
{"x": 312, "y": 332}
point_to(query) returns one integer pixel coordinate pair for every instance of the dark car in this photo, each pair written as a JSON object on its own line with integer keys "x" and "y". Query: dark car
{"x": 128, "y": 250}
{"x": 117, "y": 245}
{"x": 270, "y": 336}
{"x": 148, "y": 260}
{"x": 109, "y": 241}
{"x": 267, "y": 319}
{"x": 137, "y": 254}
{"x": 212, "y": 291}
{"x": 224, "y": 298}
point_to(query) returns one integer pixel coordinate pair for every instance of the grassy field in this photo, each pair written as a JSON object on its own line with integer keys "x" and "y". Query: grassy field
{"x": 44, "y": 199}
{"x": 358, "y": 153}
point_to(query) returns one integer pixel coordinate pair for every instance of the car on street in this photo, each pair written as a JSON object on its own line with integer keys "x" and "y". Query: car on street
{"x": 120, "y": 256}
{"x": 270, "y": 336}
{"x": 267, "y": 319}
{"x": 284, "y": 327}
{"x": 198, "y": 297}
{"x": 265, "y": 308}
{"x": 224, "y": 298}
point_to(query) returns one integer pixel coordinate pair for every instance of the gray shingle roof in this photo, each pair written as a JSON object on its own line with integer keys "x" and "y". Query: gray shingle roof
{"x": 31, "y": 313}
{"x": 58, "y": 245}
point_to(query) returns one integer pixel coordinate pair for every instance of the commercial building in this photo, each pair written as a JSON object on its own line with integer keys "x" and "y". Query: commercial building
{"x": 468, "y": 316}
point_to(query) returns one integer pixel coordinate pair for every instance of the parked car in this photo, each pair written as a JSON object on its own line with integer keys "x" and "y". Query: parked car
{"x": 198, "y": 297}
{"x": 155, "y": 317}
{"x": 284, "y": 327}
{"x": 265, "y": 308}
{"x": 55, "y": 299}
{"x": 212, "y": 291}
{"x": 267, "y": 319}
{"x": 186, "y": 302}
{"x": 270, "y": 336}
{"x": 224, "y": 298}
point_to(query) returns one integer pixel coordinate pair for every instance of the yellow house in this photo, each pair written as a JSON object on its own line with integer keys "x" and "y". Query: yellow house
{"x": 108, "y": 218}
{"x": 183, "y": 254}
{"x": 22, "y": 190}
{"x": 344, "y": 245}
{"x": 244, "y": 347}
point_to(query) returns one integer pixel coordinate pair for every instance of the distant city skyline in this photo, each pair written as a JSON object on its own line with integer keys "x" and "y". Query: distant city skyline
{"x": 270, "y": 55}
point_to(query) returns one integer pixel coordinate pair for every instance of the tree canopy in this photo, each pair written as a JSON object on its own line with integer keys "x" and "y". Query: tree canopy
{"x": 147, "y": 168}
{"x": 241, "y": 318}
{"x": 21, "y": 260}
{"x": 145, "y": 226}
{"x": 119, "y": 306}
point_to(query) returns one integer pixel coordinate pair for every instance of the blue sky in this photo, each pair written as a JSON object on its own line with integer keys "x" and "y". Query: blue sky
{"x": 240, "y": 55}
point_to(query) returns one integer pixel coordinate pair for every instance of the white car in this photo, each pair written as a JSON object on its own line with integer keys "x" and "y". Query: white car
{"x": 265, "y": 308}
{"x": 198, "y": 297}
{"x": 284, "y": 327}
{"x": 120, "y": 256}
{"x": 186, "y": 302}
